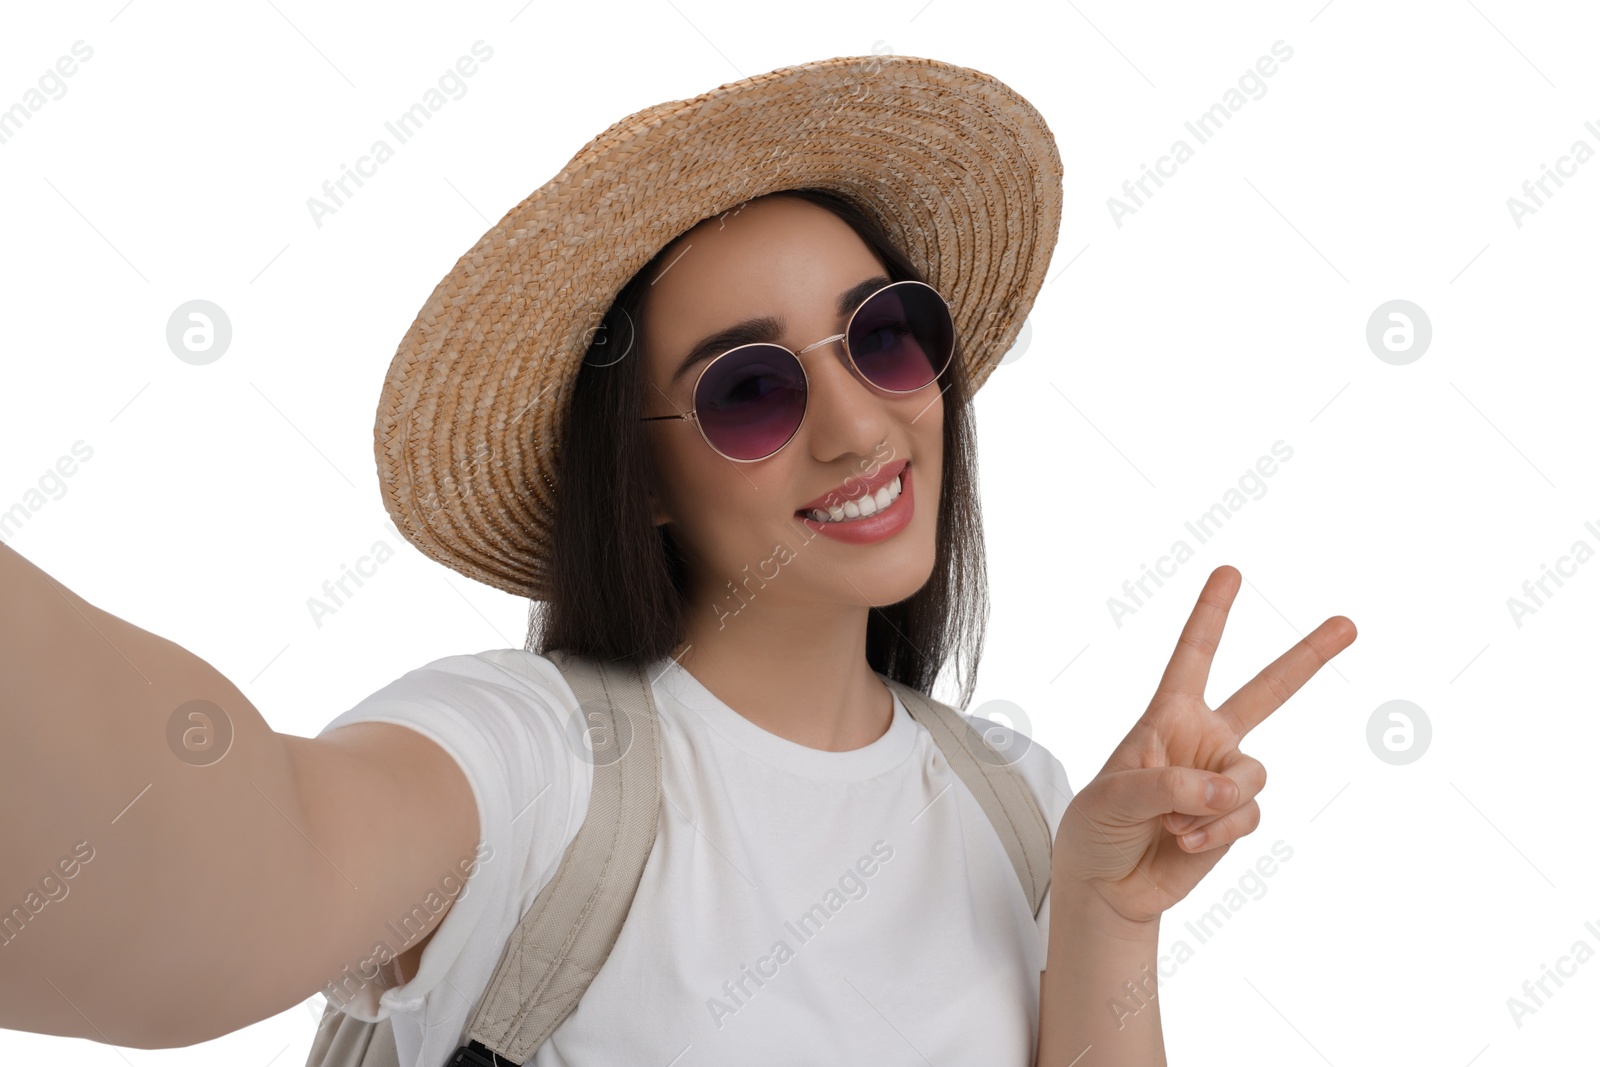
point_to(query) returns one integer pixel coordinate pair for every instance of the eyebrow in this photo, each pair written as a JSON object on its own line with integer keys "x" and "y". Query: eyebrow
{"x": 767, "y": 329}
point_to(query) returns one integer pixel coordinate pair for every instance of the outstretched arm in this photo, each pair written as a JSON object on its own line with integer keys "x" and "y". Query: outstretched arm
{"x": 171, "y": 868}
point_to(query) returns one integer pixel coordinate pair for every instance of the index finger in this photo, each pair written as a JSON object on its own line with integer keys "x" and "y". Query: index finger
{"x": 1283, "y": 677}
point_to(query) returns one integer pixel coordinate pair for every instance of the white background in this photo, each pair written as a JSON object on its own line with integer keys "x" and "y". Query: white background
{"x": 1164, "y": 357}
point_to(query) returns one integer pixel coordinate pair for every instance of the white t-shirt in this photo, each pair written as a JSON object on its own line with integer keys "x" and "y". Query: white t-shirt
{"x": 799, "y": 906}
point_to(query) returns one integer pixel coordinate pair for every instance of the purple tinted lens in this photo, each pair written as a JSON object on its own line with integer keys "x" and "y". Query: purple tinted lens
{"x": 902, "y": 337}
{"x": 750, "y": 401}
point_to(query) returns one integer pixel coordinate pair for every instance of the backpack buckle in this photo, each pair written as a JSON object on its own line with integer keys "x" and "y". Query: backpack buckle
{"x": 474, "y": 1054}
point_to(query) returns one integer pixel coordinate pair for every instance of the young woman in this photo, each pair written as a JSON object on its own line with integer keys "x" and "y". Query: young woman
{"x": 821, "y": 886}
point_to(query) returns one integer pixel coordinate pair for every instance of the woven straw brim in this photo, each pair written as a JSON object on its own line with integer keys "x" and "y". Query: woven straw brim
{"x": 959, "y": 169}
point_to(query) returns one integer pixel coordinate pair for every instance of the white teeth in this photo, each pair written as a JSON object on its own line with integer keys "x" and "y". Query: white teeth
{"x": 868, "y": 504}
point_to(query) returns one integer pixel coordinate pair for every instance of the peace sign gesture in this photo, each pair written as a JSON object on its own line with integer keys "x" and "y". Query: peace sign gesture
{"x": 1120, "y": 837}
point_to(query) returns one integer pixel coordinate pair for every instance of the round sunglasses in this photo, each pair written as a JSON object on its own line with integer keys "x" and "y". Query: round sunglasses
{"x": 751, "y": 400}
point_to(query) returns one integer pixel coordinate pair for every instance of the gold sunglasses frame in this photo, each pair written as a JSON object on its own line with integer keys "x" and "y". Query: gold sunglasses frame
{"x": 692, "y": 415}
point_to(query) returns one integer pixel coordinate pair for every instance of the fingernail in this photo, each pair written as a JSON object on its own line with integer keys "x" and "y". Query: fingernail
{"x": 1194, "y": 840}
{"x": 1183, "y": 822}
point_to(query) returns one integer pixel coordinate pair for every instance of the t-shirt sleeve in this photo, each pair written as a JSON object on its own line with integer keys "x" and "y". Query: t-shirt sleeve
{"x": 506, "y": 729}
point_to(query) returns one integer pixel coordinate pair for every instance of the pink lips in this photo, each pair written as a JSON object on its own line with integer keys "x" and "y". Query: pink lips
{"x": 878, "y": 526}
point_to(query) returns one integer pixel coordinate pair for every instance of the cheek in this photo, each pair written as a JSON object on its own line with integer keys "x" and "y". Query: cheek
{"x": 682, "y": 465}
{"x": 712, "y": 503}
{"x": 929, "y": 429}
{"x": 930, "y": 455}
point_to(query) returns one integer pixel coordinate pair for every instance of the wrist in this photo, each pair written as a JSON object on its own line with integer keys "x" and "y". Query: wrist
{"x": 1082, "y": 909}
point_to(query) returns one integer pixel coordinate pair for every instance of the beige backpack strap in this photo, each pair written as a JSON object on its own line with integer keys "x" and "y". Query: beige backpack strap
{"x": 566, "y": 935}
{"x": 998, "y": 786}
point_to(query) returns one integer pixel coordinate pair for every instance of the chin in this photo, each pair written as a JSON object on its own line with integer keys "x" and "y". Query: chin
{"x": 888, "y": 581}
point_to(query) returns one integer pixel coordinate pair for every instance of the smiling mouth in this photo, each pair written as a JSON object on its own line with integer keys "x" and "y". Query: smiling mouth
{"x": 861, "y": 507}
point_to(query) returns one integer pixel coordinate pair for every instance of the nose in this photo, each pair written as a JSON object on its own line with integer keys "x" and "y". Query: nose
{"x": 844, "y": 416}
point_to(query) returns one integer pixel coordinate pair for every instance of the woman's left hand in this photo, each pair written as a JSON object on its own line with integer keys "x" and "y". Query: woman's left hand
{"x": 1123, "y": 837}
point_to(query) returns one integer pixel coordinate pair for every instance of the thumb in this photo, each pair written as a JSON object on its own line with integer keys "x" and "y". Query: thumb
{"x": 1151, "y": 792}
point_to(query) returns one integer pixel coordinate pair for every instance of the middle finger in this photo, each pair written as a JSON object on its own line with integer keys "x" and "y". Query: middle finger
{"x": 1190, "y": 664}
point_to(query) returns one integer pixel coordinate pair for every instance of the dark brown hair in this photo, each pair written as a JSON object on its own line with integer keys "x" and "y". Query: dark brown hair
{"x": 618, "y": 583}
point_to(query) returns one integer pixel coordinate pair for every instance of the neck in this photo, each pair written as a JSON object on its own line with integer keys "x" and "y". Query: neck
{"x": 797, "y": 670}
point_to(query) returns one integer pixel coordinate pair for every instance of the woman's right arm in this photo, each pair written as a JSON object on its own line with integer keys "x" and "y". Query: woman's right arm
{"x": 204, "y": 893}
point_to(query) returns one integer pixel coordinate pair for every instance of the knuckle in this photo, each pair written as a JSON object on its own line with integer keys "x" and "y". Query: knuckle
{"x": 1280, "y": 689}
{"x": 1253, "y": 775}
{"x": 1173, "y": 785}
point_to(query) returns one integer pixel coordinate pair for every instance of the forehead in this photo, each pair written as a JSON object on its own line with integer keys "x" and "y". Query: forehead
{"x": 776, "y": 255}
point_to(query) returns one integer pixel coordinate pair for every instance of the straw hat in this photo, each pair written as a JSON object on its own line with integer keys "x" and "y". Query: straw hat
{"x": 959, "y": 169}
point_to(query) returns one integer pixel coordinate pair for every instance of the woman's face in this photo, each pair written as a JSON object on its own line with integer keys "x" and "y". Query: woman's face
{"x": 737, "y": 522}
